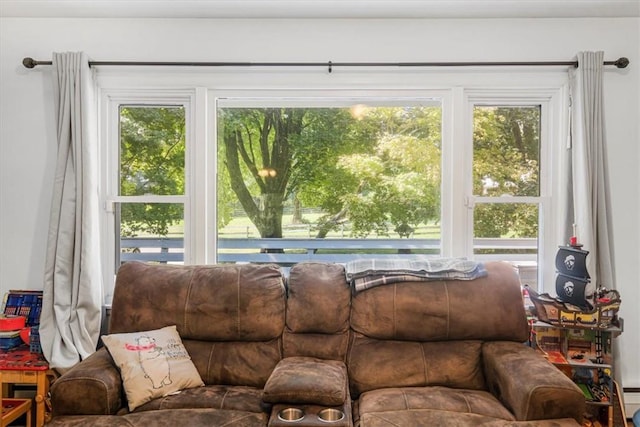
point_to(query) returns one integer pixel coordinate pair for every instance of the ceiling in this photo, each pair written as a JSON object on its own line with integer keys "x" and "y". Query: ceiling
{"x": 320, "y": 8}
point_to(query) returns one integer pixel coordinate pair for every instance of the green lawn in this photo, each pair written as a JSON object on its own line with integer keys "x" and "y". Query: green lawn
{"x": 241, "y": 227}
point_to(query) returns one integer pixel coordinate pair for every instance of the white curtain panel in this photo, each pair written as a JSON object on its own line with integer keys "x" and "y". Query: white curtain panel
{"x": 588, "y": 169}
{"x": 71, "y": 310}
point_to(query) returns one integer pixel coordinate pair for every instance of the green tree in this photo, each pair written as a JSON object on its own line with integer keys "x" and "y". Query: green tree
{"x": 399, "y": 181}
{"x": 380, "y": 172}
{"x": 317, "y": 179}
{"x": 506, "y": 161}
{"x": 392, "y": 179}
{"x": 152, "y": 159}
{"x": 257, "y": 149}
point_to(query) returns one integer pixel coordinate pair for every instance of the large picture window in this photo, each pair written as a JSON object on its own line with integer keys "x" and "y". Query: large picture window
{"x": 330, "y": 182}
{"x": 285, "y": 179}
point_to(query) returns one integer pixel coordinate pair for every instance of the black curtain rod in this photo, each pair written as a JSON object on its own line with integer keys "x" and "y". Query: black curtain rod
{"x": 619, "y": 63}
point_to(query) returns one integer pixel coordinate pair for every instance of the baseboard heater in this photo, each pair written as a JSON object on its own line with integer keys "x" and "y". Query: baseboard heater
{"x": 631, "y": 400}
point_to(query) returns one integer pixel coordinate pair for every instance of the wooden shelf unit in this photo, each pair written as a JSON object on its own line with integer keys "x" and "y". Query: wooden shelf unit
{"x": 585, "y": 355}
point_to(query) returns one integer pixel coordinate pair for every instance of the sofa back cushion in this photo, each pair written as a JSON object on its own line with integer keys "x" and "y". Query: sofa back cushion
{"x": 375, "y": 364}
{"x": 488, "y": 308}
{"x": 226, "y": 302}
{"x": 230, "y": 317}
{"x": 235, "y": 362}
{"x": 318, "y": 304}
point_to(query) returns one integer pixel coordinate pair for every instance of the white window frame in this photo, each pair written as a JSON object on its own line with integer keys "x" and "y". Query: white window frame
{"x": 552, "y": 123}
{"x": 110, "y": 103}
{"x": 458, "y": 92}
{"x": 346, "y": 97}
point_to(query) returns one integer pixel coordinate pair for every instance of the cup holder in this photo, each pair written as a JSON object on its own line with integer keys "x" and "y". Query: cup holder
{"x": 330, "y": 415}
{"x": 291, "y": 414}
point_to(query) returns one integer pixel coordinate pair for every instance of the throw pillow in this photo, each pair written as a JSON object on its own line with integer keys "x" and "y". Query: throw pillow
{"x": 152, "y": 364}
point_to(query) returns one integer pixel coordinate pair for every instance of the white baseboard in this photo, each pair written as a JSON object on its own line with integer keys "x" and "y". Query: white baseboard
{"x": 631, "y": 403}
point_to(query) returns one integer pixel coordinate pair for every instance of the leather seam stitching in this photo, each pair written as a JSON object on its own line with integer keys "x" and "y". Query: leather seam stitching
{"x": 186, "y": 301}
{"x": 446, "y": 292}
{"x": 238, "y": 301}
{"x": 424, "y": 364}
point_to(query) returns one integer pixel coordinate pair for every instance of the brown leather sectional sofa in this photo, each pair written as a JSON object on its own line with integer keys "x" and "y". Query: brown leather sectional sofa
{"x": 313, "y": 353}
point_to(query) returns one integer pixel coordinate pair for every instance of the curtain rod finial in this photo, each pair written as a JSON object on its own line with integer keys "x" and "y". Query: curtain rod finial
{"x": 621, "y": 62}
{"x": 29, "y": 62}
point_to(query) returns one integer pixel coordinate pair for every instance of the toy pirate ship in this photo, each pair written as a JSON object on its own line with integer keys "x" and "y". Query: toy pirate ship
{"x": 572, "y": 306}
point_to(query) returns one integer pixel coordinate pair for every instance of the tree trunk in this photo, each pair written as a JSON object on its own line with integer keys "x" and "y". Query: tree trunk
{"x": 297, "y": 211}
{"x": 269, "y": 223}
{"x": 268, "y": 163}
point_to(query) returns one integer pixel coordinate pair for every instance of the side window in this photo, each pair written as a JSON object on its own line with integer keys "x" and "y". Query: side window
{"x": 506, "y": 190}
{"x": 150, "y": 194}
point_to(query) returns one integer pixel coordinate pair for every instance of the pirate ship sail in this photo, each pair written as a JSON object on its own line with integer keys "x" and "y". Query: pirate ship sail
{"x": 572, "y": 276}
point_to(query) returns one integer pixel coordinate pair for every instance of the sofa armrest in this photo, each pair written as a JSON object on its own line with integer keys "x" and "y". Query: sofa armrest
{"x": 91, "y": 387}
{"x": 529, "y": 385}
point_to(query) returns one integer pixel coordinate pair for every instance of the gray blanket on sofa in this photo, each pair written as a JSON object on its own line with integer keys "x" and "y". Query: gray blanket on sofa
{"x": 367, "y": 273}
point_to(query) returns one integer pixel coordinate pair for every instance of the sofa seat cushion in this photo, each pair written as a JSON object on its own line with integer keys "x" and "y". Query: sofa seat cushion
{"x": 420, "y": 399}
{"x": 166, "y": 418}
{"x": 236, "y": 398}
{"x": 430, "y": 418}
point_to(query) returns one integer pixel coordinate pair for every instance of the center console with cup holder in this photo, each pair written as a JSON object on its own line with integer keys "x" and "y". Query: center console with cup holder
{"x": 283, "y": 415}
{"x": 308, "y": 392}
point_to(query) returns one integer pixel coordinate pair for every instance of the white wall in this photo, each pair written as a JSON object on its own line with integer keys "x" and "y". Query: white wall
{"x": 27, "y": 132}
